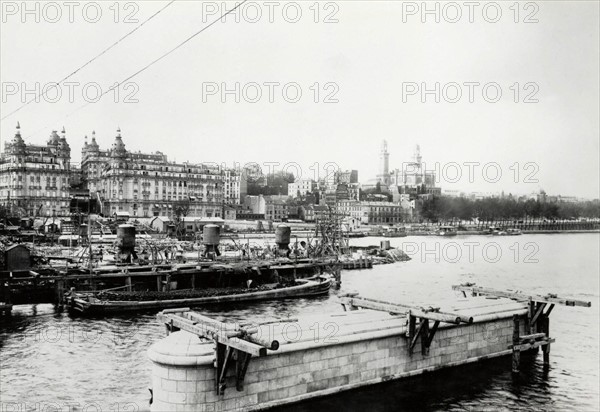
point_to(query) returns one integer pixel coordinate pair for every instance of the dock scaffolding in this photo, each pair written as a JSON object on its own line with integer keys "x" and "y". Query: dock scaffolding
{"x": 332, "y": 241}
{"x": 537, "y": 323}
{"x": 234, "y": 343}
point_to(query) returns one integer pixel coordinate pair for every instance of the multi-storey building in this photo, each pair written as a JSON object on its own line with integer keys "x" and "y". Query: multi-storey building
{"x": 232, "y": 183}
{"x": 354, "y": 191}
{"x": 277, "y": 210}
{"x": 34, "y": 179}
{"x": 346, "y": 176}
{"x": 145, "y": 184}
{"x": 301, "y": 187}
{"x": 375, "y": 212}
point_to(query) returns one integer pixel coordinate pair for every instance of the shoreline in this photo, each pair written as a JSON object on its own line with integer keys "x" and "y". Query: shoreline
{"x": 485, "y": 233}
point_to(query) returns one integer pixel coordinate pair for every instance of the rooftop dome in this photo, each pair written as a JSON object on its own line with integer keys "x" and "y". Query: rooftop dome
{"x": 17, "y": 141}
{"x": 54, "y": 139}
{"x": 93, "y": 145}
{"x": 62, "y": 142}
{"x": 118, "y": 147}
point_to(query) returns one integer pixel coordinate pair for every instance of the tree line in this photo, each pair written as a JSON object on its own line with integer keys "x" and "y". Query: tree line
{"x": 446, "y": 208}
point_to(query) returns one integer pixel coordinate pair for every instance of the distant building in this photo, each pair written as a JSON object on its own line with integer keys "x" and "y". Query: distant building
{"x": 232, "y": 183}
{"x": 413, "y": 174}
{"x": 35, "y": 179}
{"x": 452, "y": 193}
{"x": 376, "y": 213}
{"x": 256, "y": 205}
{"x": 301, "y": 187}
{"x": 230, "y": 212}
{"x": 346, "y": 176}
{"x": 354, "y": 191}
{"x": 412, "y": 178}
{"x": 160, "y": 223}
{"x": 277, "y": 210}
{"x": 307, "y": 213}
{"x": 147, "y": 184}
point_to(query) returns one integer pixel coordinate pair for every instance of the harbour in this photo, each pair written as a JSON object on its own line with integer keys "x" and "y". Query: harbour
{"x": 299, "y": 206}
{"x": 124, "y": 340}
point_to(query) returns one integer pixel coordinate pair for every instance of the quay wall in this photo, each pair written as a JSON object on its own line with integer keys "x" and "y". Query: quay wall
{"x": 300, "y": 371}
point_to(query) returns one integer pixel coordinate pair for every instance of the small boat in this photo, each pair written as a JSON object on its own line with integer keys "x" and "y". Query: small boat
{"x": 356, "y": 234}
{"x": 513, "y": 232}
{"x": 497, "y": 231}
{"x": 447, "y": 231}
{"x": 89, "y": 304}
{"x": 394, "y": 232}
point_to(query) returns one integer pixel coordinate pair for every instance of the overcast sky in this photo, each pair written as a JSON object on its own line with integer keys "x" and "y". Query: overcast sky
{"x": 374, "y": 52}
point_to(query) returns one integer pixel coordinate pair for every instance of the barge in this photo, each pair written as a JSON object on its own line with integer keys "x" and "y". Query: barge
{"x": 206, "y": 364}
{"x": 93, "y": 304}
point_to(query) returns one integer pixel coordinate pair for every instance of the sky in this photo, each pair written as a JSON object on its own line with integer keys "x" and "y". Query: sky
{"x": 366, "y": 71}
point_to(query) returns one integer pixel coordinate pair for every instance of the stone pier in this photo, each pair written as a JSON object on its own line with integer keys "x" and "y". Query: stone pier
{"x": 323, "y": 355}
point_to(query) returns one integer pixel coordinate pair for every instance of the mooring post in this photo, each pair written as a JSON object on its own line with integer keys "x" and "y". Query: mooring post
{"x": 60, "y": 292}
{"x": 516, "y": 355}
{"x": 530, "y": 315}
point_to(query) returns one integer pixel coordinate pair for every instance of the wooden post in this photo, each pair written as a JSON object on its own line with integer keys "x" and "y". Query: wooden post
{"x": 243, "y": 359}
{"x": 220, "y": 360}
{"x": 412, "y": 326}
{"x": 425, "y": 337}
{"x": 546, "y": 348}
{"x": 128, "y": 283}
{"x": 158, "y": 283}
{"x": 530, "y": 315}
{"x": 60, "y": 292}
{"x": 516, "y": 356}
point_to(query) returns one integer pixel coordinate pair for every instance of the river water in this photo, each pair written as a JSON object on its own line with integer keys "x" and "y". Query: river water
{"x": 50, "y": 361}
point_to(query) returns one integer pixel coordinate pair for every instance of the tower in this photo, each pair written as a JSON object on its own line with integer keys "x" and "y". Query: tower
{"x": 417, "y": 155}
{"x": 384, "y": 164}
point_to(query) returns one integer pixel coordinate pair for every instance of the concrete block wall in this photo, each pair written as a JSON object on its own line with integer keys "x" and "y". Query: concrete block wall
{"x": 293, "y": 375}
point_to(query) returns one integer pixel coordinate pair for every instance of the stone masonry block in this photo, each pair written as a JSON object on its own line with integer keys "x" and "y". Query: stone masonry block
{"x": 178, "y": 374}
{"x": 298, "y": 390}
{"x": 186, "y": 386}
{"x": 168, "y": 385}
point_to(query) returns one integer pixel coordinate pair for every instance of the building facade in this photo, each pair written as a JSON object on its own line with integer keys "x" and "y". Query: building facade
{"x": 301, "y": 187}
{"x": 147, "y": 184}
{"x": 232, "y": 185}
{"x": 346, "y": 176}
{"x": 376, "y": 213}
{"x": 35, "y": 179}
